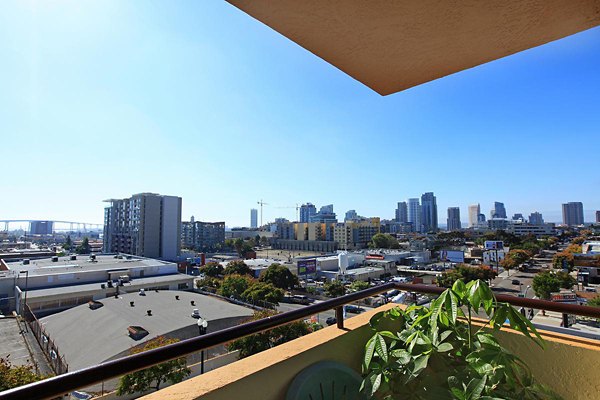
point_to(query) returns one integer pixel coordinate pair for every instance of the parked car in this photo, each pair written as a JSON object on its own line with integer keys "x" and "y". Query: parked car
{"x": 330, "y": 321}
{"x": 354, "y": 309}
{"x": 516, "y": 282}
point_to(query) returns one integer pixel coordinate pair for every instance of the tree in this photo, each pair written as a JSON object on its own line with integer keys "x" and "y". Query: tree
{"x": 264, "y": 241}
{"x": 84, "y": 247}
{"x": 467, "y": 274}
{"x": 235, "y": 285}
{"x": 261, "y": 291}
{"x": 384, "y": 241}
{"x": 595, "y": 302}
{"x": 565, "y": 279}
{"x": 334, "y": 289}
{"x": 68, "y": 243}
{"x": 279, "y": 276}
{"x": 359, "y": 285}
{"x": 12, "y": 376}
{"x": 173, "y": 371}
{"x": 212, "y": 269}
{"x": 545, "y": 283}
{"x": 514, "y": 259}
{"x": 566, "y": 258}
{"x": 237, "y": 267}
{"x": 265, "y": 340}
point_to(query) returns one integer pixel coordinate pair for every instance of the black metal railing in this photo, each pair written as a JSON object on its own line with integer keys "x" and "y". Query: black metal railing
{"x": 61, "y": 384}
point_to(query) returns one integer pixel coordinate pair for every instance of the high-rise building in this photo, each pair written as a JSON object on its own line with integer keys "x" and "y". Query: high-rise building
{"x": 202, "y": 236}
{"x": 518, "y": 217}
{"x": 474, "y": 211}
{"x": 350, "y": 215}
{"x": 535, "y": 218}
{"x": 41, "y": 227}
{"x": 306, "y": 211}
{"x": 414, "y": 214}
{"x": 429, "y": 215}
{"x": 146, "y": 224}
{"x": 324, "y": 215}
{"x": 453, "y": 222}
{"x": 597, "y": 216}
{"x": 498, "y": 211}
{"x": 253, "y": 218}
{"x": 402, "y": 212}
{"x": 572, "y": 213}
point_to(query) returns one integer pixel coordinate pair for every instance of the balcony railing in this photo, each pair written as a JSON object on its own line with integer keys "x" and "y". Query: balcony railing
{"x": 61, "y": 384}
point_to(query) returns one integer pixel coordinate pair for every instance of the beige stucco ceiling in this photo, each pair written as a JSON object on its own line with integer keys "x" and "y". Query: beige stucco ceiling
{"x": 392, "y": 45}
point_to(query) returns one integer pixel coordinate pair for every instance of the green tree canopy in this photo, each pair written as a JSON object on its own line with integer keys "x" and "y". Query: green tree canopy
{"x": 547, "y": 282}
{"x": 173, "y": 371}
{"x": 84, "y": 247}
{"x": 12, "y": 376}
{"x": 359, "y": 285}
{"x": 334, "y": 289}
{"x": 467, "y": 274}
{"x": 261, "y": 291}
{"x": 514, "y": 259}
{"x": 384, "y": 241}
{"x": 68, "y": 243}
{"x": 212, "y": 269}
{"x": 265, "y": 340}
{"x": 237, "y": 267}
{"x": 235, "y": 285}
{"x": 279, "y": 276}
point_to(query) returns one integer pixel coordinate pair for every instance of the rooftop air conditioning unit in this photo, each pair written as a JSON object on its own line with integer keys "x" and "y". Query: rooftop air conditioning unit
{"x": 142, "y": 293}
{"x": 196, "y": 313}
{"x": 26, "y": 261}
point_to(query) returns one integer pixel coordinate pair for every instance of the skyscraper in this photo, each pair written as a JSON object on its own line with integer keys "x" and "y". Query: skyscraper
{"x": 414, "y": 214}
{"x": 325, "y": 214}
{"x": 453, "y": 219}
{"x": 474, "y": 211}
{"x": 572, "y": 213}
{"x": 597, "y": 216}
{"x": 498, "y": 211}
{"x": 306, "y": 211}
{"x": 402, "y": 212}
{"x": 253, "y": 218}
{"x": 429, "y": 216}
{"x": 146, "y": 224}
{"x": 351, "y": 215}
{"x": 535, "y": 218}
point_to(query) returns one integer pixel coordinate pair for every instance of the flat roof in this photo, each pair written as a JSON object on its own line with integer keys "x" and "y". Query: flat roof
{"x": 128, "y": 287}
{"x": 87, "y": 337}
{"x": 45, "y": 266}
{"x": 394, "y": 45}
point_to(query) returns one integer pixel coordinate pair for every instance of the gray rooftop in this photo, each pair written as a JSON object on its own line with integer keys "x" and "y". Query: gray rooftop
{"x": 46, "y": 266}
{"x": 87, "y": 337}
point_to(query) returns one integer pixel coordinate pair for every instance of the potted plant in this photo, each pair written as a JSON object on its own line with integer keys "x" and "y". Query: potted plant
{"x": 439, "y": 352}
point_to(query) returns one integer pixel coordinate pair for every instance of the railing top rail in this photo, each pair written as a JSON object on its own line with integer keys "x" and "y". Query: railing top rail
{"x": 58, "y": 385}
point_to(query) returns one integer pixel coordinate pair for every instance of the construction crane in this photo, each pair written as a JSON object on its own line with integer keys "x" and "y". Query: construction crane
{"x": 262, "y": 203}
{"x": 297, "y": 207}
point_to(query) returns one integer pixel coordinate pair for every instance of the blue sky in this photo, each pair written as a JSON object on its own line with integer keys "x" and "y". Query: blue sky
{"x": 103, "y": 99}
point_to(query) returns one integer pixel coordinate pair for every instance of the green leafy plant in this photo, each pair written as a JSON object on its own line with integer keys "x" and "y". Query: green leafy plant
{"x": 438, "y": 352}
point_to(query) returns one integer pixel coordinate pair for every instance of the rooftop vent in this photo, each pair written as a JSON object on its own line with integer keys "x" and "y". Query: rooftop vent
{"x": 156, "y": 290}
{"x": 26, "y": 261}
{"x": 136, "y": 332}
{"x": 196, "y": 313}
{"x": 149, "y": 312}
{"x": 116, "y": 295}
{"x": 176, "y": 297}
{"x": 94, "y": 305}
{"x": 73, "y": 257}
{"x": 142, "y": 293}
{"x": 103, "y": 285}
{"x": 54, "y": 258}
{"x": 92, "y": 256}
{"x": 193, "y": 303}
{"x": 131, "y": 304}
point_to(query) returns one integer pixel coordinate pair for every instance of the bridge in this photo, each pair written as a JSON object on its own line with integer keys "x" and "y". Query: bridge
{"x": 73, "y": 226}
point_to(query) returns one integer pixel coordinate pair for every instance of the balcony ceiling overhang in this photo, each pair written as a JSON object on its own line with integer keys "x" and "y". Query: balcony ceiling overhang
{"x": 394, "y": 45}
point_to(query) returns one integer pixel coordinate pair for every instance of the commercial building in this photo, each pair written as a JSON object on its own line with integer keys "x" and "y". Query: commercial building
{"x": 414, "y": 214}
{"x": 402, "y": 212}
{"x": 350, "y": 215}
{"x": 325, "y": 214}
{"x": 253, "y": 218}
{"x": 203, "y": 236}
{"x": 474, "y": 211}
{"x": 453, "y": 221}
{"x": 524, "y": 229}
{"x": 429, "y": 214}
{"x": 57, "y": 283}
{"x": 307, "y": 211}
{"x": 498, "y": 211}
{"x": 146, "y": 225}
{"x": 572, "y": 213}
{"x": 597, "y": 216}
{"x": 356, "y": 234}
{"x": 535, "y": 218}
{"x": 41, "y": 227}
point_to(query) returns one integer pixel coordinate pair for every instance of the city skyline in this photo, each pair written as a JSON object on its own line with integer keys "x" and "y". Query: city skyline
{"x": 115, "y": 110}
